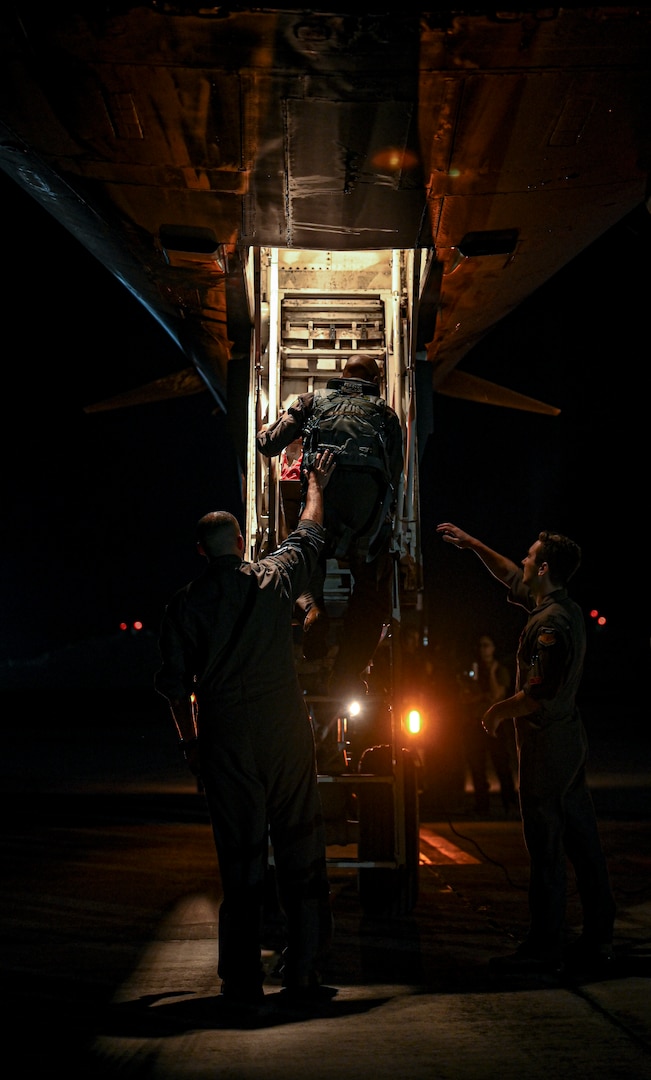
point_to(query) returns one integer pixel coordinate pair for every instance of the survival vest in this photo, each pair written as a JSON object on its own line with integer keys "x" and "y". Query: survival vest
{"x": 351, "y": 425}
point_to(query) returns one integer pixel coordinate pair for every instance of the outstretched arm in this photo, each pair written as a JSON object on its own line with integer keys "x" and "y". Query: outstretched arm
{"x": 272, "y": 438}
{"x": 317, "y": 479}
{"x": 498, "y": 565}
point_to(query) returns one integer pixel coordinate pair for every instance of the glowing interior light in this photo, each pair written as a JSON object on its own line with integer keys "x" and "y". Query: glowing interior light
{"x": 394, "y": 158}
{"x": 414, "y": 721}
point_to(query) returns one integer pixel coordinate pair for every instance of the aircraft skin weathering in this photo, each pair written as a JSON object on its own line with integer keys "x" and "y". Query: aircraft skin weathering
{"x": 170, "y": 139}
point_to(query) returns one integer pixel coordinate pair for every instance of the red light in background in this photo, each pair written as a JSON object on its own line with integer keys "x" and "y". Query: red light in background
{"x": 594, "y": 613}
{"x": 124, "y": 626}
{"x": 137, "y": 625}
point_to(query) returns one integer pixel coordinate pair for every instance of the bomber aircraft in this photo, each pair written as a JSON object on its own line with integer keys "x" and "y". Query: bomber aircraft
{"x": 279, "y": 187}
{"x": 174, "y": 139}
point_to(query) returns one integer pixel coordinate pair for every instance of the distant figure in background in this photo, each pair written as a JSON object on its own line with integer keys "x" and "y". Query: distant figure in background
{"x": 487, "y": 681}
{"x": 558, "y": 816}
{"x": 417, "y": 668}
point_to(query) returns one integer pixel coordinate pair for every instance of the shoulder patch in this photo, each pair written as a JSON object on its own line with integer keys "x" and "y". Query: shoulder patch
{"x": 547, "y": 636}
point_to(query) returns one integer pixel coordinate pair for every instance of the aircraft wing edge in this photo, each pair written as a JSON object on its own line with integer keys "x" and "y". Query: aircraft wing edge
{"x": 468, "y": 387}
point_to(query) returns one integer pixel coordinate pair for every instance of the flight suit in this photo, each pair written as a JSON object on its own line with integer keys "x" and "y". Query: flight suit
{"x": 558, "y": 814}
{"x": 359, "y": 500}
{"x": 227, "y": 637}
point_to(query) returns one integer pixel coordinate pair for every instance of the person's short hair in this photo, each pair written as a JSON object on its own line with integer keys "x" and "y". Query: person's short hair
{"x": 562, "y": 555}
{"x": 362, "y": 366}
{"x": 217, "y": 532}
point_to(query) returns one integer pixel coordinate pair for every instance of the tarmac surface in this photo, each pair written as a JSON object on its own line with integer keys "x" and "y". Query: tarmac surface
{"x": 109, "y": 926}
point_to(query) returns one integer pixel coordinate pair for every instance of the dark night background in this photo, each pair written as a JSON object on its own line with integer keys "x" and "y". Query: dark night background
{"x": 99, "y": 509}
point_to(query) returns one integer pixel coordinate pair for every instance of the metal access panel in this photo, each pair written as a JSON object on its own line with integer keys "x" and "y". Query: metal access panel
{"x": 317, "y": 335}
{"x": 326, "y": 325}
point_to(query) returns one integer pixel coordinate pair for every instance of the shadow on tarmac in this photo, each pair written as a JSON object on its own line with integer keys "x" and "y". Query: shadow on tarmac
{"x": 109, "y": 913}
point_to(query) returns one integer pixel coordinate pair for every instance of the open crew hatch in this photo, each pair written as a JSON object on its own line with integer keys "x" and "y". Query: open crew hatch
{"x": 310, "y": 311}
